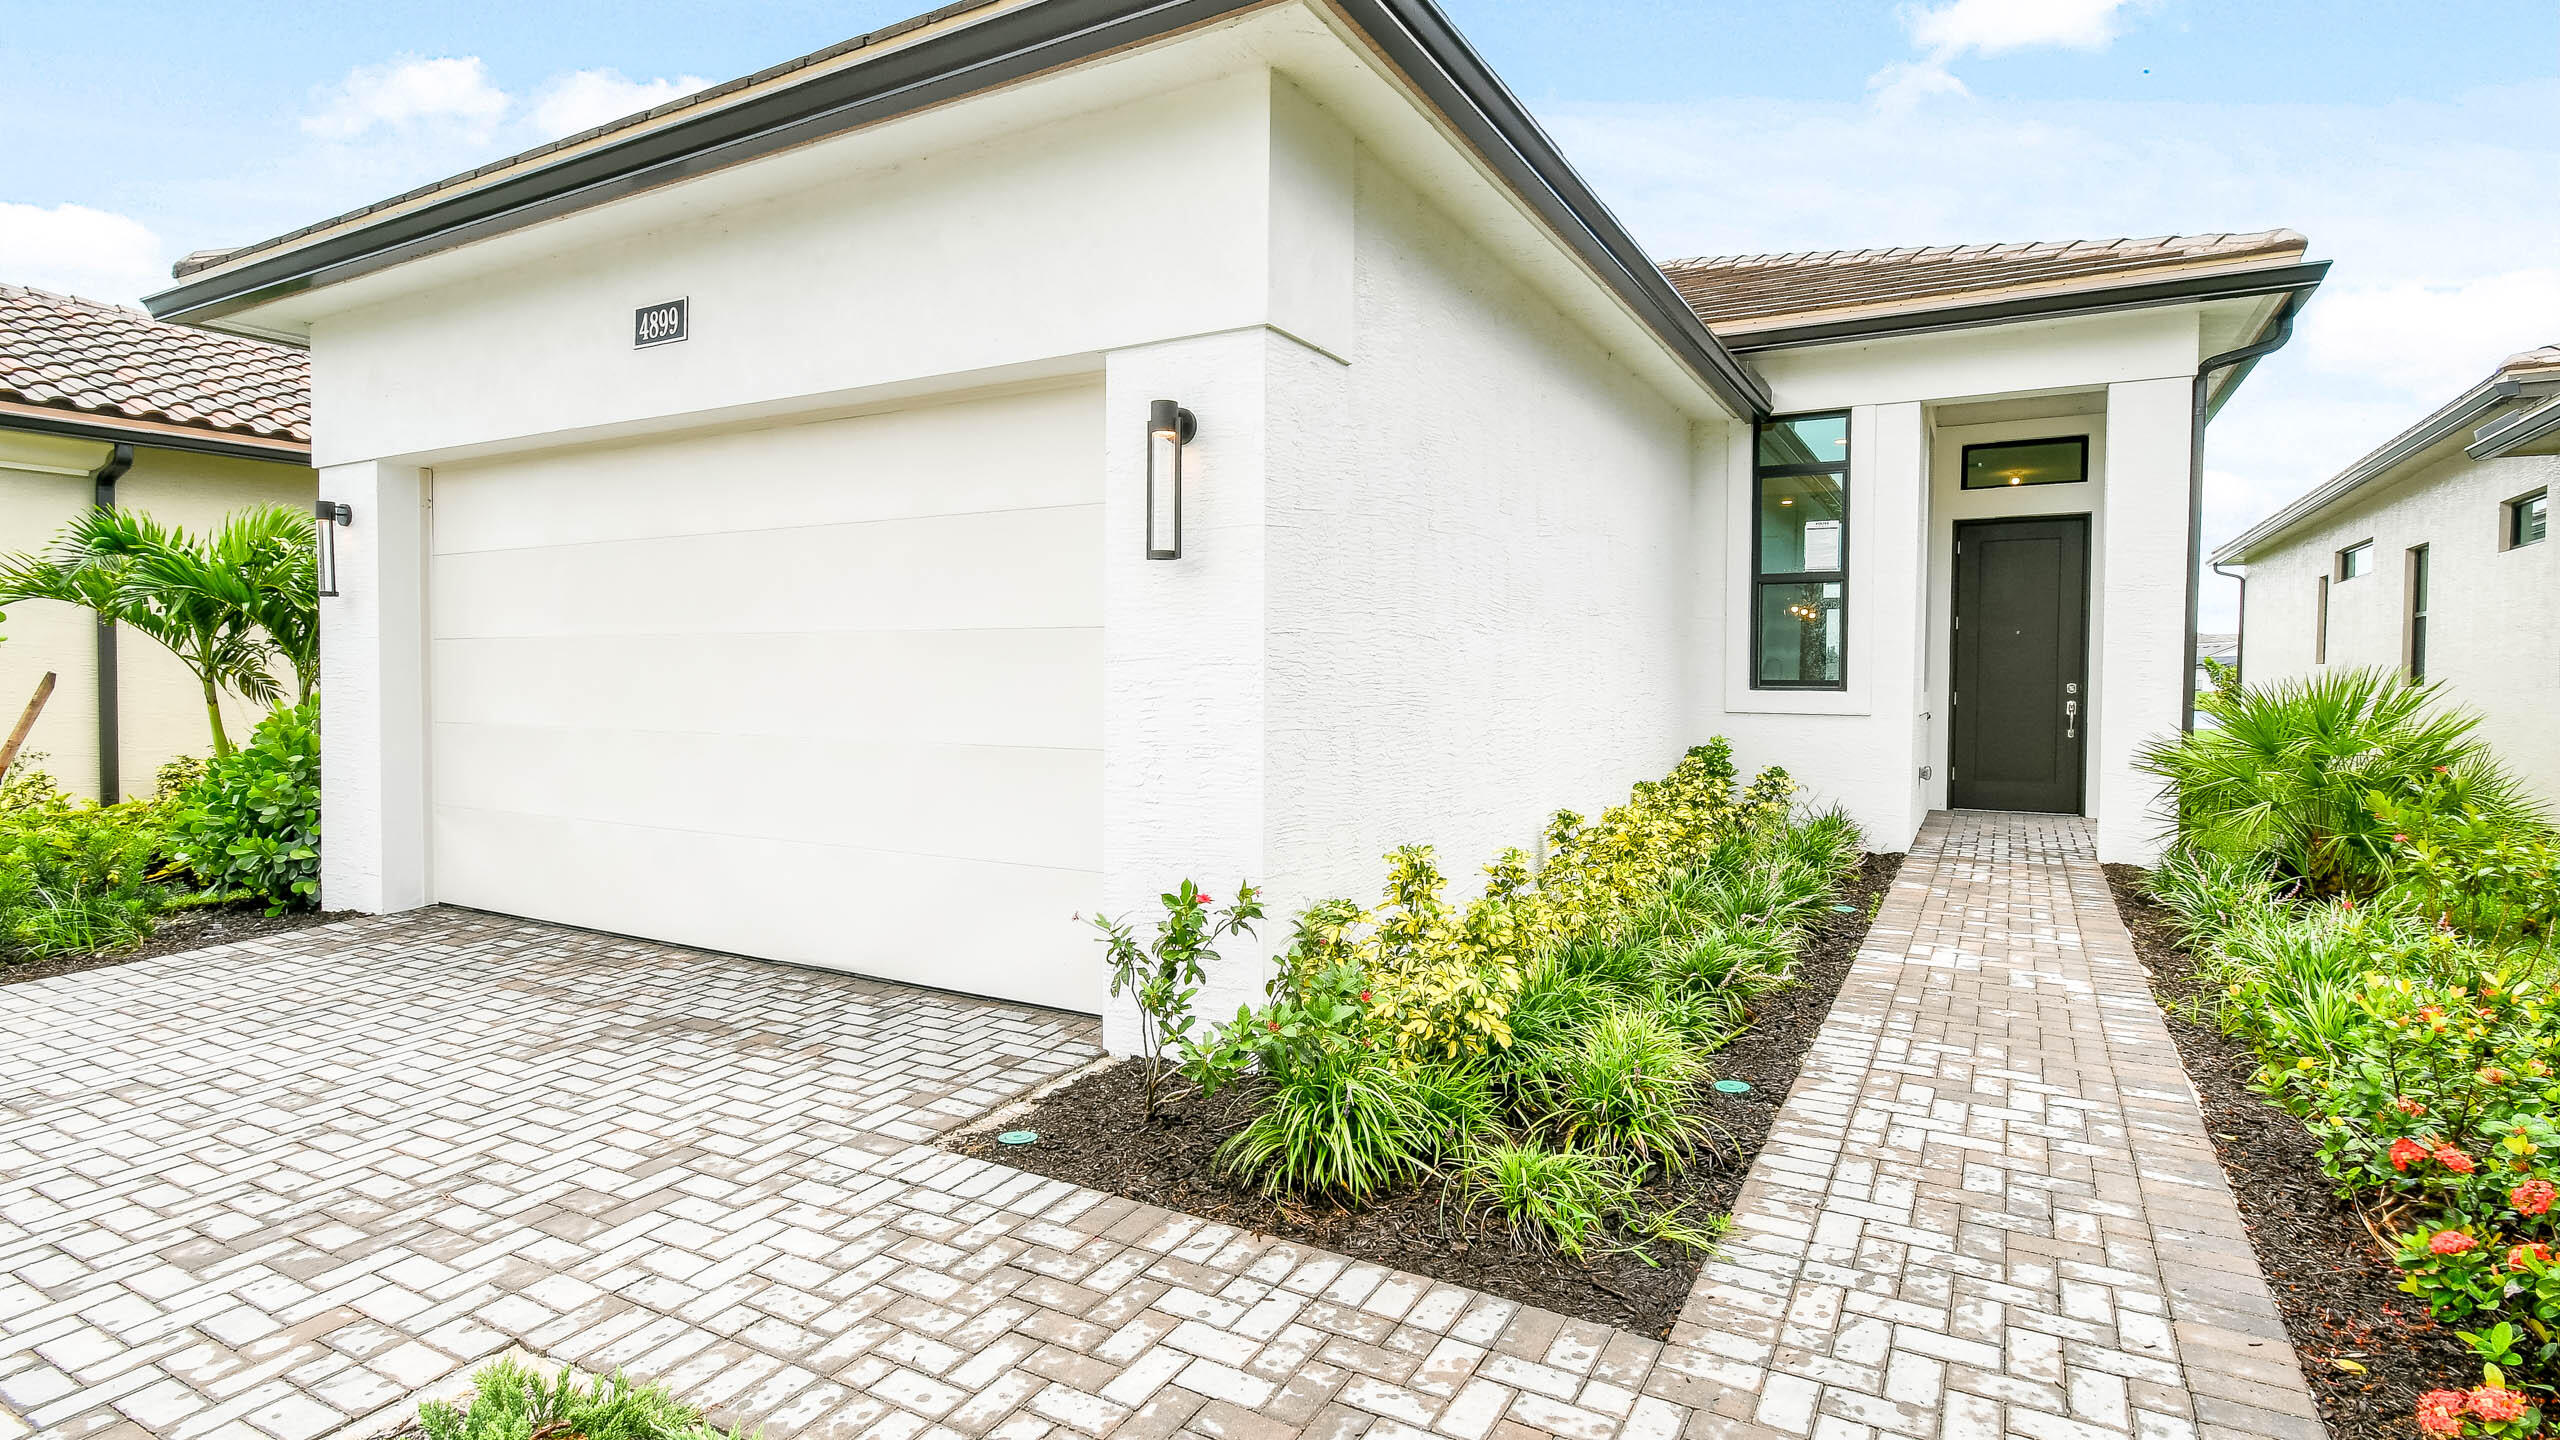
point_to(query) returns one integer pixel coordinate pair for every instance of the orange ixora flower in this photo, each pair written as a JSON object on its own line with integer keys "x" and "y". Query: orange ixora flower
{"x": 2518, "y": 1254}
{"x": 2440, "y": 1411}
{"x": 2533, "y": 1197}
{"x": 2456, "y": 1161}
{"x": 2407, "y": 1106}
{"x": 2452, "y": 1242}
{"x": 2406, "y": 1152}
{"x": 2497, "y": 1404}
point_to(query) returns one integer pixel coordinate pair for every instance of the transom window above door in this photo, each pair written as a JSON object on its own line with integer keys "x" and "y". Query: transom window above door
{"x": 2007, "y": 463}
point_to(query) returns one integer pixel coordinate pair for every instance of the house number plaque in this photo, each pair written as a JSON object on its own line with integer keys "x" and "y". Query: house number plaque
{"x": 659, "y": 324}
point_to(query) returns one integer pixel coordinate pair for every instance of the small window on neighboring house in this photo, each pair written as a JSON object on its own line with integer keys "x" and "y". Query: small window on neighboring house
{"x": 2320, "y": 626}
{"x": 2026, "y": 462}
{"x": 2355, "y": 560}
{"x": 1800, "y": 554}
{"x": 2528, "y": 518}
{"x": 2418, "y": 612}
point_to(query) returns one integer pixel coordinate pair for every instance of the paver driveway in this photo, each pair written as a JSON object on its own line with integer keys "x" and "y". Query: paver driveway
{"x": 266, "y": 1190}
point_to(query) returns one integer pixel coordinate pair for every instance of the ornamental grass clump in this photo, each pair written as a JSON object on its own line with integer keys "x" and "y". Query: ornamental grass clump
{"x": 513, "y": 1401}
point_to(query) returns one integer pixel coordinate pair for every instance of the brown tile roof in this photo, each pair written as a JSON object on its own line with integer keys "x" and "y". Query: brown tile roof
{"x": 1740, "y": 294}
{"x": 107, "y": 363}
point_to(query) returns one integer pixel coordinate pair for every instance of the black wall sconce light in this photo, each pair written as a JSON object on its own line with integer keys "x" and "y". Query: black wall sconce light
{"x": 331, "y": 514}
{"x": 1169, "y": 429}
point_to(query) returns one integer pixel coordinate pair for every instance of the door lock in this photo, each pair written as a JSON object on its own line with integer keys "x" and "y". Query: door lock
{"x": 2071, "y": 713}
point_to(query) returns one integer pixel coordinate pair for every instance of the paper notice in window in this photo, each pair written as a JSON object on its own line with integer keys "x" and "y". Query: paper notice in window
{"x": 1822, "y": 545}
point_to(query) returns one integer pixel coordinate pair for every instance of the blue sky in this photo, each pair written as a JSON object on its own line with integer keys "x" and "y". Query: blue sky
{"x": 2412, "y": 141}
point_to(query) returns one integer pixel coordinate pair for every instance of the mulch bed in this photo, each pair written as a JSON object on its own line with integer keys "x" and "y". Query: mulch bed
{"x": 2338, "y": 1290}
{"x": 179, "y": 931}
{"x": 1092, "y": 1133}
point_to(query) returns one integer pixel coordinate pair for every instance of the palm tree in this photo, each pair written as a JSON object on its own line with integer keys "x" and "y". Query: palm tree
{"x": 225, "y": 606}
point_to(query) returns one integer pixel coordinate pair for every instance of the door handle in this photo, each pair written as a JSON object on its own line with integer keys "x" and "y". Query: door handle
{"x": 2071, "y": 714}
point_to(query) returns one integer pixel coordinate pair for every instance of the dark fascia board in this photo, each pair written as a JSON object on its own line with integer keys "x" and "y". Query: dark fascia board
{"x": 2517, "y": 431}
{"x": 277, "y": 452}
{"x": 2417, "y": 440}
{"x": 2142, "y": 295}
{"x": 1004, "y": 47}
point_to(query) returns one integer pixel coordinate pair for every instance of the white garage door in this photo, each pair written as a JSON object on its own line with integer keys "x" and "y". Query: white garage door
{"x": 826, "y": 692}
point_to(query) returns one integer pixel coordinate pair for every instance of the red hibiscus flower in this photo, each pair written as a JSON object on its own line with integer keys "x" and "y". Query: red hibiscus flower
{"x": 2533, "y": 1197}
{"x": 2497, "y": 1405}
{"x": 2455, "y": 1161}
{"x": 2440, "y": 1412}
{"x": 2452, "y": 1242}
{"x": 2406, "y": 1152}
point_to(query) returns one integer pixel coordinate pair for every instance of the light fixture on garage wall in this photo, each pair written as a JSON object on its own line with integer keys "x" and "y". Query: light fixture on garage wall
{"x": 331, "y": 514}
{"x": 1169, "y": 429}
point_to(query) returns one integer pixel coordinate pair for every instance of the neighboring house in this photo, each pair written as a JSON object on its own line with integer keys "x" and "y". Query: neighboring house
{"x": 102, "y": 405}
{"x": 2214, "y": 650}
{"x": 2430, "y": 555}
{"x": 750, "y": 539}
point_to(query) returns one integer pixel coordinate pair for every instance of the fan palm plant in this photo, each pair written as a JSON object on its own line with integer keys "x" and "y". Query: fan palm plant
{"x": 2286, "y": 773}
{"x": 226, "y": 606}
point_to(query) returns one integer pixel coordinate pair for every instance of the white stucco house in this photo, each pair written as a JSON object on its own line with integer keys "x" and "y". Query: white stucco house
{"x": 2429, "y": 555}
{"x": 749, "y": 539}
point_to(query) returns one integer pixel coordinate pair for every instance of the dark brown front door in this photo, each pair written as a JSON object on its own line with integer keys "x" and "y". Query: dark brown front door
{"x": 2021, "y": 702}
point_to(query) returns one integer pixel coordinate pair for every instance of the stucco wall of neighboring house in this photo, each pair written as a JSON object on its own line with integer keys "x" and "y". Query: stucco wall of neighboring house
{"x": 1865, "y": 745}
{"x": 2493, "y": 633}
{"x": 1477, "y": 616}
{"x": 161, "y": 709}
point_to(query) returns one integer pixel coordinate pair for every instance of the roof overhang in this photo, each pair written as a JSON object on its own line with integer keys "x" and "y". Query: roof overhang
{"x": 156, "y": 434}
{"x": 2437, "y": 436}
{"x": 983, "y": 49}
{"x": 2531, "y": 432}
{"x": 2101, "y": 299}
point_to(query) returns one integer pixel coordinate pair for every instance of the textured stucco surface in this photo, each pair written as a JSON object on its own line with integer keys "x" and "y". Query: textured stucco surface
{"x": 2493, "y": 621}
{"x": 1479, "y": 566}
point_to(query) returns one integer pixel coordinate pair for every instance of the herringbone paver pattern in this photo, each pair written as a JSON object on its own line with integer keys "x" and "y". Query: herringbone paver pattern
{"x": 268, "y": 1190}
{"x": 1989, "y": 1207}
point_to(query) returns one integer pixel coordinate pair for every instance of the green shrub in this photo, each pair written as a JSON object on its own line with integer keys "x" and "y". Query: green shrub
{"x": 1548, "y": 1199}
{"x": 252, "y": 824}
{"x": 74, "y": 877}
{"x": 1626, "y": 1084}
{"x": 1348, "y": 1127}
{"x": 2286, "y": 774}
{"x": 510, "y": 1401}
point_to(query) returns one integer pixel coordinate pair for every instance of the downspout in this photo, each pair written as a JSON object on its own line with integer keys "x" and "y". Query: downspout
{"x": 2195, "y": 478}
{"x": 2240, "y": 639}
{"x": 110, "y": 741}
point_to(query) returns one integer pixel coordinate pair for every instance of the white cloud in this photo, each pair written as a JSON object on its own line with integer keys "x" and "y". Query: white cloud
{"x": 1993, "y": 27}
{"x": 75, "y": 250}
{"x": 1950, "y": 31}
{"x": 2433, "y": 339}
{"x": 406, "y": 94}
{"x": 567, "y": 104}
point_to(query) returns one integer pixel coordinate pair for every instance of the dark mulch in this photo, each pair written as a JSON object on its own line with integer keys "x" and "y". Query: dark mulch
{"x": 1091, "y": 1132}
{"x": 179, "y": 931}
{"x": 2337, "y": 1287}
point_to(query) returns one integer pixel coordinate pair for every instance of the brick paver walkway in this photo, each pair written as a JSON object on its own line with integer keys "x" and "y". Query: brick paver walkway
{"x": 1990, "y": 1207}
{"x": 267, "y": 1190}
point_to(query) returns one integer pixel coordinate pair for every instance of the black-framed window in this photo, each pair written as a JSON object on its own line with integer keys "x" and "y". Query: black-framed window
{"x": 2528, "y": 518}
{"x": 2417, "y": 612}
{"x": 2355, "y": 560}
{"x": 2003, "y": 464}
{"x": 1800, "y": 553}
